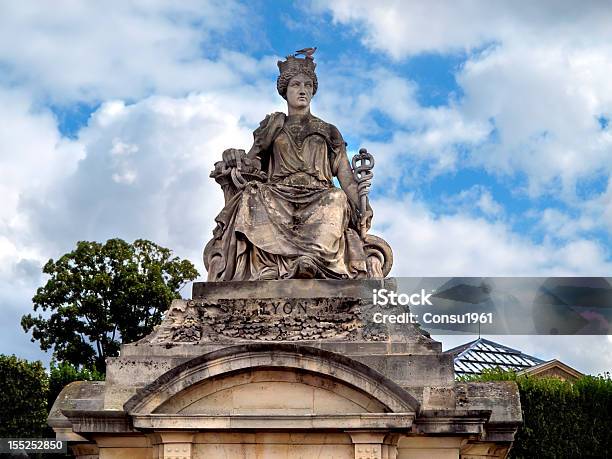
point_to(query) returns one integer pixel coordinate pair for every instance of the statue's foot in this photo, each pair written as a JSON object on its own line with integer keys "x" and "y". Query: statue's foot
{"x": 303, "y": 268}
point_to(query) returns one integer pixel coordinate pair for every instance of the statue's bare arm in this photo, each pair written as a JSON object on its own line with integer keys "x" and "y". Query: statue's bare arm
{"x": 271, "y": 124}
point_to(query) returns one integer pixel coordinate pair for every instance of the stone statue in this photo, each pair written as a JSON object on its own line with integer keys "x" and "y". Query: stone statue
{"x": 284, "y": 217}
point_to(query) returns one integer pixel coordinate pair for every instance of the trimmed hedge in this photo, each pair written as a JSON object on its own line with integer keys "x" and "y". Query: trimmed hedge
{"x": 23, "y": 397}
{"x": 27, "y": 394}
{"x": 561, "y": 419}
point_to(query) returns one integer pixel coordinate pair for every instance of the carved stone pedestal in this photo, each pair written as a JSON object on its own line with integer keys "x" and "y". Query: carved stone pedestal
{"x": 285, "y": 369}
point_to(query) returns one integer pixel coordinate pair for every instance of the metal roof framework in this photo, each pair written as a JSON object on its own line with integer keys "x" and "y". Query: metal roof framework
{"x": 474, "y": 357}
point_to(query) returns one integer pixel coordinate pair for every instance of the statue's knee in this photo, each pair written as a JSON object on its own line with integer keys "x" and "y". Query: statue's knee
{"x": 338, "y": 196}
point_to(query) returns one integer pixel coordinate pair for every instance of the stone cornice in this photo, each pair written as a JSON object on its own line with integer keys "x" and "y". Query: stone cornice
{"x": 455, "y": 422}
{"x": 382, "y": 421}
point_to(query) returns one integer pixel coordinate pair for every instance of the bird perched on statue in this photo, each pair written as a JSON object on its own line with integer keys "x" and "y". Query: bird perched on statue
{"x": 306, "y": 52}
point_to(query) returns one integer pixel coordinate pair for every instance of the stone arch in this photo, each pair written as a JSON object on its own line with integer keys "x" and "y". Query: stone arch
{"x": 311, "y": 363}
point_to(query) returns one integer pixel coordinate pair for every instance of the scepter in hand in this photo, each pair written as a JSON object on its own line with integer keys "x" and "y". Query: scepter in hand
{"x": 363, "y": 163}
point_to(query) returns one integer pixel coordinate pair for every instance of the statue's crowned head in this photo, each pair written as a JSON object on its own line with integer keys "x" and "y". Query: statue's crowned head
{"x": 292, "y": 67}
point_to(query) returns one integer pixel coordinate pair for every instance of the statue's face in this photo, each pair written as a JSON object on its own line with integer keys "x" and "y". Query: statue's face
{"x": 299, "y": 91}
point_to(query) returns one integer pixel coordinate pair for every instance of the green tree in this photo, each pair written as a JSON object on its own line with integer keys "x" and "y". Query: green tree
{"x": 100, "y": 295}
{"x": 23, "y": 397}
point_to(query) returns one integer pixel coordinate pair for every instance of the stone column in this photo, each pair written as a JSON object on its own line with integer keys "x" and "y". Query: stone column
{"x": 173, "y": 445}
{"x": 369, "y": 445}
{"x": 483, "y": 451}
{"x": 132, "y": 446}
{"x": 389, "y": 447}
{"x": 429, "y": 447}
{"x": 85, "y": 451}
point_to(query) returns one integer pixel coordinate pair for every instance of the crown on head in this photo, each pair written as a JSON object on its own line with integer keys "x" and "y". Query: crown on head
{"x": 294, "y": 66}
{"x": 297, "y": 65}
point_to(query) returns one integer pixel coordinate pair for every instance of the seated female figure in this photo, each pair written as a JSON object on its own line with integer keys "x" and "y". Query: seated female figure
{"x": 296, "y": 223}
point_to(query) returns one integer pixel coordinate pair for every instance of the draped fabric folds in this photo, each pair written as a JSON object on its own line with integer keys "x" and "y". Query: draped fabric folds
{"x": 298, "y": 215}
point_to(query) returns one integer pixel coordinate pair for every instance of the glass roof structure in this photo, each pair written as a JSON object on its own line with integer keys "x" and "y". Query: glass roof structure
{"x": 474, "y": 357}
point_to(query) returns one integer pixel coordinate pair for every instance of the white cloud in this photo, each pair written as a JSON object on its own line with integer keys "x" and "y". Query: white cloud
{"x": 33, "y": 156}
{"x": 545, "y": 102}
{"x": 541, "y": 82}
{"x": 560, "y": 225}
{"x": 427, "y": 244}
{"x": 32, "y": 152}
{"x": 476, "y": 198}
{"x": 91, "y": 51}
{"x": 431, "y": 136}
{"x": 144, "y": 174}
{"x": 407, "y": 28}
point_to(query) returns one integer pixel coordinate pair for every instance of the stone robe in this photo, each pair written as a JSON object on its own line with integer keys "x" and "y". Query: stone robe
{"x": 297, "y": 213}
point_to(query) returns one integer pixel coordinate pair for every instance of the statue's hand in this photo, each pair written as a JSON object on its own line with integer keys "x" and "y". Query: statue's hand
{"x": 368, "y": 217}
{"x": 232, "y": 156}
{"x": 254, "y": 163}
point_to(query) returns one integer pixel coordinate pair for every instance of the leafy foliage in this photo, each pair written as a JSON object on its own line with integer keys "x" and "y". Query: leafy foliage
{"x": 561, "y": 419}
{"x": 100, "y": 294}
{"x": 491, "y": 374}
{"x": 27, "y": 394}
{"x": 23, "y": 397}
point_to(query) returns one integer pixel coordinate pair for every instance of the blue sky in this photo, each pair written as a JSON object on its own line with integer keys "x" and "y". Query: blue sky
{"x": 489, "y": 123}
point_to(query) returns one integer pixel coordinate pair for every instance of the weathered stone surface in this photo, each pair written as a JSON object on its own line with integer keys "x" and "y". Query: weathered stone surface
{"x": 226, "y": 314}
{"x": 284, "y": 217}
{"x": 273, "y": 445}
{"x": 272, "y": 355}
{"x": 78, "y": 395}
{"x": 271, "y": 319}
{"x": 482, "y": 394}
{"x": 293, "y": 310}
{"x": 295, "y": 288}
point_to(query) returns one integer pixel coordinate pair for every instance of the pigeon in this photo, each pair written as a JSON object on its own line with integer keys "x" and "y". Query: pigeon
{"x": 306, "y": 52}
